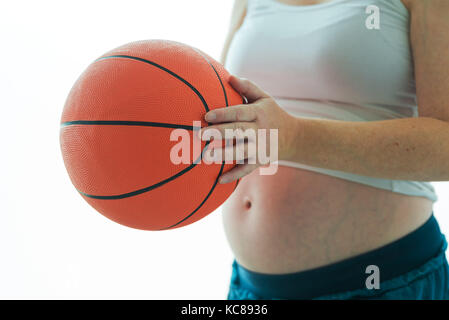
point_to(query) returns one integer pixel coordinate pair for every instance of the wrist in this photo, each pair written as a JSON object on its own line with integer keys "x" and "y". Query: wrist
{"x": 291, "y": 137}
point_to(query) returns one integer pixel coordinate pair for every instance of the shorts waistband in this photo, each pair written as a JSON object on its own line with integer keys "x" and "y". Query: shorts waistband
{"x": 394, "y": 259}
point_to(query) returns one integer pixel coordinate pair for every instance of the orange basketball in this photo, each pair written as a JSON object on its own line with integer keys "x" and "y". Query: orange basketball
{"x": 116, "y": 127}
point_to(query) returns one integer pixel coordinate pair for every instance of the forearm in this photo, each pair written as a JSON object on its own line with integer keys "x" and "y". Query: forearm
{"x": 401, "y": 149}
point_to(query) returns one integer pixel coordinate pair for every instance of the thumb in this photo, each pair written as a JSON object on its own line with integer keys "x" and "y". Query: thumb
{"x": 247, "y": 88}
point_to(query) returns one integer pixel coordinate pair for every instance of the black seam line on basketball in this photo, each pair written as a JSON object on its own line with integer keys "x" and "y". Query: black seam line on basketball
{"x": 222, "y": 166}
{"x": 129, "y": 123}
{"x": 164, "y": 69}
{"x": 152, "y": 187}
{"x": 236, "y": 183}
{"x": 218, "y": 76}
{"x": 201, "y": 204}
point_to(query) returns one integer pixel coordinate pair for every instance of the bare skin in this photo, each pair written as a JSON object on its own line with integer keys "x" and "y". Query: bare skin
{"x": 298, "y": 220}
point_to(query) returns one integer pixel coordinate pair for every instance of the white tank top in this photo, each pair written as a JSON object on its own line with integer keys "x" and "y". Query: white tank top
{"x": 322, "y": 61}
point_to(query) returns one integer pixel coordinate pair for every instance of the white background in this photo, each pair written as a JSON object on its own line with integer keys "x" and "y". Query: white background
{"x": 52, "y": 243}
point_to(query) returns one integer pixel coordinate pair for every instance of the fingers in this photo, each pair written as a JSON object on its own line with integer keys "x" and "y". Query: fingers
{"x": 239, "y": 153}
{"x": 229, "y": 131}
{"x": 238, "y": 172}
{"x": 247, "y": 88}
{"x": 231, "y": 114}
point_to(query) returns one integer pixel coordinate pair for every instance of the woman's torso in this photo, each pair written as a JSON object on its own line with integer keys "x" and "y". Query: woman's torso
{"x": 299, "y": 219}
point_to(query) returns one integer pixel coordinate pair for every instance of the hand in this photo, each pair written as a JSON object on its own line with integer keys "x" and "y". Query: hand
{"x": 261, "y": 112}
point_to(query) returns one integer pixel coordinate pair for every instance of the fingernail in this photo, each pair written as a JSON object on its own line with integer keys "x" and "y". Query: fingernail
{"x": 211, "y": 116}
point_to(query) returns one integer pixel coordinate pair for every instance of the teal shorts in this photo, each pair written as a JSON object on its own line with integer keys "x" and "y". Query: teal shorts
{"x": 411, "y": 268}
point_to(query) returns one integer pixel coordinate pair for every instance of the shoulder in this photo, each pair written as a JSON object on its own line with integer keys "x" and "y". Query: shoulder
{"x": 239, "y": 6}
{"x": 238, "y": 13}
{"x": 240, "y": 3}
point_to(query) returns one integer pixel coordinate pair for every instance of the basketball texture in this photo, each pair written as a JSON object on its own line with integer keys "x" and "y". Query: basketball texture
{"x": 115, "y": 134}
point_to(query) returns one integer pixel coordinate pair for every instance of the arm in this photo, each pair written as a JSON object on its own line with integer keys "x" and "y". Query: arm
{"x": 404, "y": 149}
{"x": 407, "y": 149}
{"x": 237, "y": 17}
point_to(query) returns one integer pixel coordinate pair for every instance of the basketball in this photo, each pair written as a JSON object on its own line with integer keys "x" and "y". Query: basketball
{"x": 116, "y": 129}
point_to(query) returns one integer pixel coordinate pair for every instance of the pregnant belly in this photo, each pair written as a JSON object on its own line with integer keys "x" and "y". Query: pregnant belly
{"x": 297, "y": 220}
